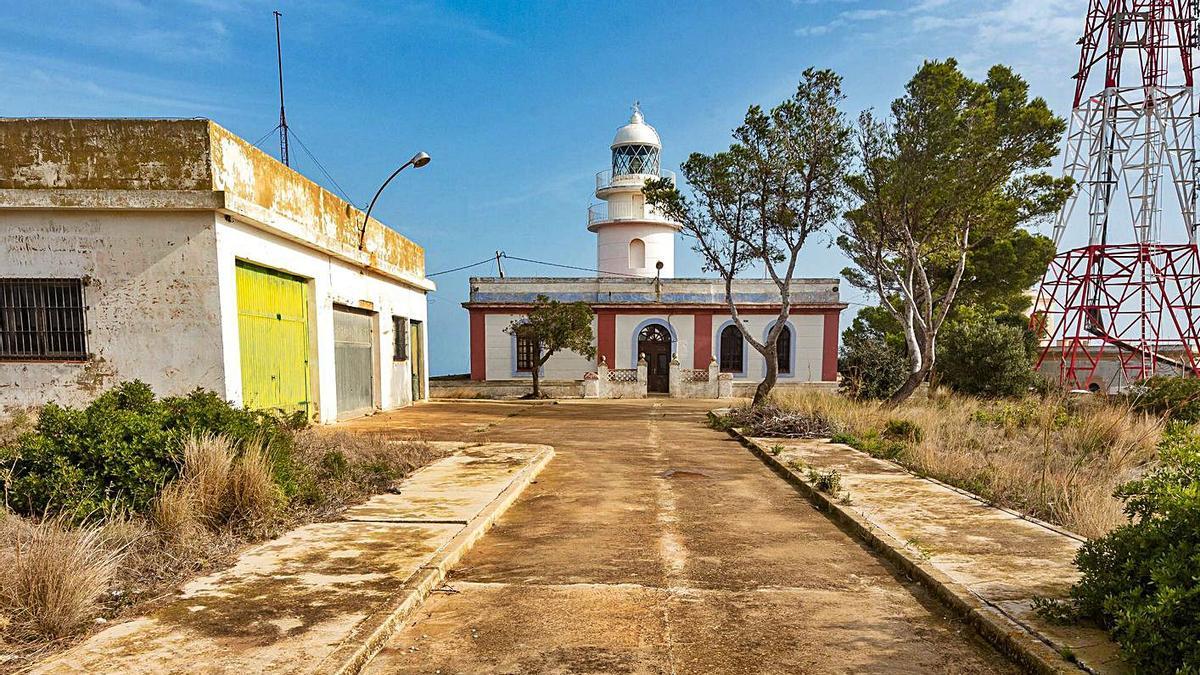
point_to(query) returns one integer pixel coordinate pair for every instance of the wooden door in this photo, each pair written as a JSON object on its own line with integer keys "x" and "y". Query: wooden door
{"x": 655, "y": 343}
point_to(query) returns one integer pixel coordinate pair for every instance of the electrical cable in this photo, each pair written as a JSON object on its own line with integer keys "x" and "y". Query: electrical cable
{"x": 457, "y": 269}
{"x": 569, "y": 267}
{"x": 264, "y": 136}
{"x": 321, "y": 167}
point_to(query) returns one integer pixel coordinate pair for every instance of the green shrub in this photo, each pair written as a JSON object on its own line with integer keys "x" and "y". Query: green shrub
{"x": 903, "y": 430}
{"x": 829, "y": 482}
{"x": 985, "y": 358}
{"x": 117, "y": 452}
{"x": 1142, "y": 580}
{"x": 1175, "y": 397}
{"x": 871, "y": 368}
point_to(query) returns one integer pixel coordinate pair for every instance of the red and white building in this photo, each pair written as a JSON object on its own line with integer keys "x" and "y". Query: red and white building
{"x": 641, "y": 311}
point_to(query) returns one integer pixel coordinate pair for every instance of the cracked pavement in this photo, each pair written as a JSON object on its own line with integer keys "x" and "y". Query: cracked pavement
{"x": 652, "y": 544}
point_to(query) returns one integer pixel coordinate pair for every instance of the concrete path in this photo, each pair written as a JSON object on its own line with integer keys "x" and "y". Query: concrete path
{"x": 317, "y": 598}
{"x": 655, "y": 545}
{"x": 991, "y": 557}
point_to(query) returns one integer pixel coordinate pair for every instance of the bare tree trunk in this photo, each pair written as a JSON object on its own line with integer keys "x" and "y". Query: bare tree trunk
{"x": 537, "y": 367}
{"x": 768, "y": 383}
{"x": 914, "y": 380}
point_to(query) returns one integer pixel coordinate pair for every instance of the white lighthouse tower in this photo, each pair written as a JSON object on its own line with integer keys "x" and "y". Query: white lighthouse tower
{"x": 632, "y": 237}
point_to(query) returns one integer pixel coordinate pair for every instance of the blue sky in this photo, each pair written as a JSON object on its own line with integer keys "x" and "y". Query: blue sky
{"x": 516, "y": 101}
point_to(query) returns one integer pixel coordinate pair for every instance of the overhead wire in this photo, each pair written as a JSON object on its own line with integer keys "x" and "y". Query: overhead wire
{"x": 506, "y": 256}
{"x": 458, "y": 269}
{"x": 320, "y": 166}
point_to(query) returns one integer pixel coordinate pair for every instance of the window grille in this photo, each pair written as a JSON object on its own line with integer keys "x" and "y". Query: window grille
{"x": 635, "y": 159}
{"x": 732, "y": 350}
{"x": 526, "y": 354}
{"x": 42, "y": 319}
{"x": 399, "y": 338}
{"x": 784, "y": 346}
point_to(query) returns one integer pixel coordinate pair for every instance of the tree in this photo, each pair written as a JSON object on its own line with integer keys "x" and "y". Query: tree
{"x": 954, "y": 169}
{"x": 995, "y": 283}
{"x": 758, "y": 202}
{"x": 552, "y": 326}
{"x": 985, "y": 357}
{"x": 872, "y": 367}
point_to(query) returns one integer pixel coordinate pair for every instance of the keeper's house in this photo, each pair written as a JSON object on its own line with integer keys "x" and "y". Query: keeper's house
{"x": 652, "y": 328}
{"x": 174, "y": 252}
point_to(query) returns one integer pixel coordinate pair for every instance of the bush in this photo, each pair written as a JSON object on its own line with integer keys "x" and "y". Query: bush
{"x": 903, "y": 430}
{"x": 1175, "y": 397}
{"x": 985, "y": 358}
{"x": 871, "y": 368}
{"x": 1142, "y": 580}
{"x": 119, "y": 451}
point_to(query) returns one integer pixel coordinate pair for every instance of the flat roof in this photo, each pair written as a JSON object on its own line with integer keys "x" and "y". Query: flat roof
{"x": 815, "y": 293}
{"x": 189, "y": 164}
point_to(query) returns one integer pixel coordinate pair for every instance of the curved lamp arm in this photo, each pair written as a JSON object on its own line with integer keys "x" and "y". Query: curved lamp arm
{"x": 418, "y": 160}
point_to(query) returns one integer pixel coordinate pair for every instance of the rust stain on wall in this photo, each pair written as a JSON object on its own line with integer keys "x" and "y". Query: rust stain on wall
{"x": 190, "y": 155}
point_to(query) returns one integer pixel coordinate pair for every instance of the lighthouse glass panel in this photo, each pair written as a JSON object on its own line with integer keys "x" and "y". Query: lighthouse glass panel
{"x": 635, "y": 159}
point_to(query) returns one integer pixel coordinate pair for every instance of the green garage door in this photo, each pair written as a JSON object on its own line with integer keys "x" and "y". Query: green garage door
{"x": 273, "y": 335}
{"x": 354, "y": 361}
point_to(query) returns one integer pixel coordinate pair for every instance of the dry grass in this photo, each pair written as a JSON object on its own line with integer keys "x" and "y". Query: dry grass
{"x": 56, "y": 578}
{"x": 52, "y": 577}
{"x": 218, "y": 487}
{"x": 1058, "y": 459}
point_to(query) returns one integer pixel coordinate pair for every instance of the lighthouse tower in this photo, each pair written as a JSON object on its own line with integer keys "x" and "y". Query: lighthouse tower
{"x": 632, "y": 237}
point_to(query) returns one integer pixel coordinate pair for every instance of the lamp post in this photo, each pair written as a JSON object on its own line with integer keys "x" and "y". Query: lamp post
{"x": 418, "y": 160}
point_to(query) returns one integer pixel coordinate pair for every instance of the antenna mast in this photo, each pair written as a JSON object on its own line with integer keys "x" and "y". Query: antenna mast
{"x": 283, "y": 126}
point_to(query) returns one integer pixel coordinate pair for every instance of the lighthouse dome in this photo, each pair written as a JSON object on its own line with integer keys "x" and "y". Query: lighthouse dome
{"x": 637, "y": 132}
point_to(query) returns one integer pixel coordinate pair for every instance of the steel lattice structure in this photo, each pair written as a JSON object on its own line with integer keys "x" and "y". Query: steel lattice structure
{"x": 1123, "y": 307}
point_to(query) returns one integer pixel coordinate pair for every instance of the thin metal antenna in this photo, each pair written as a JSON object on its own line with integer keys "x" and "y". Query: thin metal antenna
{"x": 283, "y": 127}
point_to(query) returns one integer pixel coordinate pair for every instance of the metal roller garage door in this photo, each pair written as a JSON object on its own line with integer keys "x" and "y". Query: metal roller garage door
{"x": 353, "y": 361}
{"x": 273, "y": 336}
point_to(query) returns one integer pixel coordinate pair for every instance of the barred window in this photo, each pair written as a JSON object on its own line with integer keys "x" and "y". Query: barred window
{"x": 732, "y": 350}
{"x": 527, "y": 354}
{"x": 784, "y": 349}
{"x": 399, "y": 338}
{"x": 42, "y": 319}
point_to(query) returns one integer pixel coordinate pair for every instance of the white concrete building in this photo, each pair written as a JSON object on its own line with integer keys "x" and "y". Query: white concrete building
{"x": 174, "y": 252}
{"x": 642, "y": 313}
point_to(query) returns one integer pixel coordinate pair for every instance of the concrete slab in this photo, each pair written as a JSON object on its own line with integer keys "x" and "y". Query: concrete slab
{"x": 452, "y": 490}
{"x": 316, "y": 598}
{"x": 995, "y": 556}
{"x": 653, "y": 544}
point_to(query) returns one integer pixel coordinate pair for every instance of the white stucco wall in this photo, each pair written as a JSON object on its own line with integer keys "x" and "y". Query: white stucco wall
{"x": 807, "y": 345}
{"x": 501, "y": 364}
{"x": 331, "y": 281}
{"x": 612, "y": 248}
{"x": 153, "y": 311}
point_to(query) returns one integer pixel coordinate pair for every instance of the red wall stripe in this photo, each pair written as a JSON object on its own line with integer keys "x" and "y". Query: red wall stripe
{"x": 830, "y": 351}
{"x": 478, "y": 346}
{"x": 606, "y": 337}
{"x": 702, "y": 341}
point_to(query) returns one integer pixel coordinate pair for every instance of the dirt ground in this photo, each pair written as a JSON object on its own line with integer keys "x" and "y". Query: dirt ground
{"x": 652, "y": 544}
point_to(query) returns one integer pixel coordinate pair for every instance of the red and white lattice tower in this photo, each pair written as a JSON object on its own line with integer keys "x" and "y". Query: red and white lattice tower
{"x": 1123, "y": 307}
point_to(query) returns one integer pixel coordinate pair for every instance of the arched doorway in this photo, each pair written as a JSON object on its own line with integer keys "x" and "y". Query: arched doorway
{"x": 655, "y": 343}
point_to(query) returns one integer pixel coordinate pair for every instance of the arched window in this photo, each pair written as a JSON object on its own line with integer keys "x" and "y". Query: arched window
{"x": 732, "y": 350}
{"x": 784, "y": 347}
{"x": 637, "y": 254}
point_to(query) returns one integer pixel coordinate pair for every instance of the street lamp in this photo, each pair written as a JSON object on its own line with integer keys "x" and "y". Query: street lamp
{"x": 418, "y": 160}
